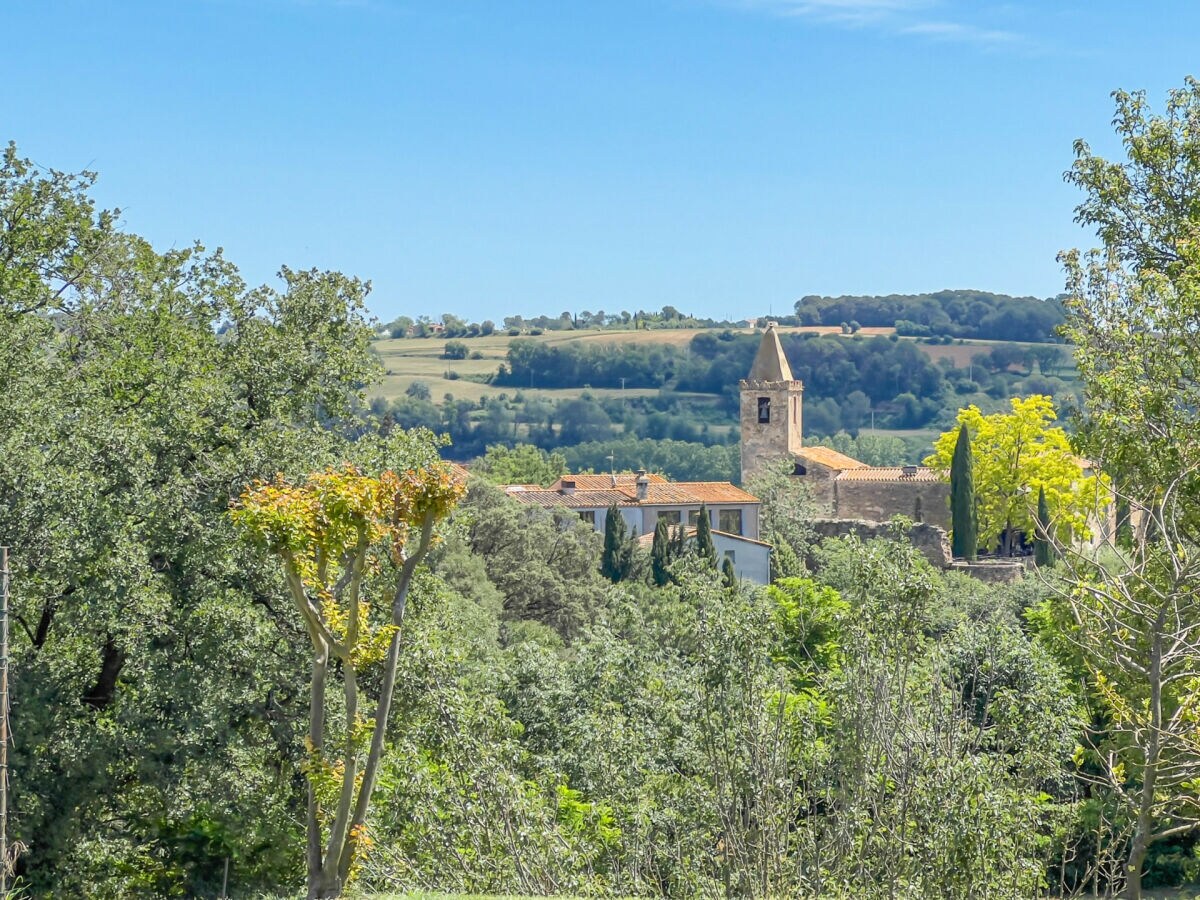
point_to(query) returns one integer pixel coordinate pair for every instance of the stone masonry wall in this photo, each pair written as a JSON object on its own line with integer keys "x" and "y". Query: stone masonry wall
{"x": 777, "y": 439}
{"x": 878, "y": 501}
{"x": 932, "y": 541}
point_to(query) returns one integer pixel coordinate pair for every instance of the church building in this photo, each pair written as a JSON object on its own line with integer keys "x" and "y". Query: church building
{"x": 772, "y": 407}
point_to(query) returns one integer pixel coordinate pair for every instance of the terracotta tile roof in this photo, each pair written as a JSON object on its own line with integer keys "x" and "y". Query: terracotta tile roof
{"x": 596, "y": 491}
{"x": 890, "y": 473}
{"x": 605, "y": 482}
{"x": 698, "y": 492}
{"x": 549, "y": 499}
{"x": 827, "y": 456}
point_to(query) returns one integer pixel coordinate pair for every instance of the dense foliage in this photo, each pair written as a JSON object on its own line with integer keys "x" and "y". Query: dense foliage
{"x": 1015, "y": 455}
{"x": 866, "y": 726}
{"x": 970, "y": 314}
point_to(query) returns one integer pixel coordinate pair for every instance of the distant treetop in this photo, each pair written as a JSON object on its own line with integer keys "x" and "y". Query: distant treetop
{"x": 960, "y": 314}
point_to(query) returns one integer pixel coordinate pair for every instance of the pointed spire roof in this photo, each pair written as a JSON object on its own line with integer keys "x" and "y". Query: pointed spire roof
{"x": 769, "y": 363}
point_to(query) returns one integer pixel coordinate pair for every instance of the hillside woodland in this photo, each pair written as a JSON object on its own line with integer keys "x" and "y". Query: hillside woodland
{"x": 866, "y": 726}
{"x": 851, "y": 387}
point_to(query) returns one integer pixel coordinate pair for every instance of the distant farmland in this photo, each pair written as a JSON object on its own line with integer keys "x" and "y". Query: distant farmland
{"x": 420, "y": 359}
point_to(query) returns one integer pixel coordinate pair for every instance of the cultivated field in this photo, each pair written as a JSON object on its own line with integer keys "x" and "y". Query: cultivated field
{"x": 407, "y": 360}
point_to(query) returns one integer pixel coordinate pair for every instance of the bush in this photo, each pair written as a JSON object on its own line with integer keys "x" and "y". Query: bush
{"x": 455, "y": 350}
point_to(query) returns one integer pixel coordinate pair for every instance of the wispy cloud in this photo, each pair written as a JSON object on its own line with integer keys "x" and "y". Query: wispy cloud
{"x": 958, "y": 31}
{"x": 848, "y": 12}
{"x": 927, "y": 19}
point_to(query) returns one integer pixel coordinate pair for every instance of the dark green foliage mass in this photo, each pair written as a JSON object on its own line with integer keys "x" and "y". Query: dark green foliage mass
{"x": 704, "y": 540}
{"x": 967, "y": 314}
{"x": 661, "y": 553}
{"x": 154, "y": 661}
{"x": 616, "y": 560}
{"x": 1042, "y": 548}
{"x": 964, "y": 522}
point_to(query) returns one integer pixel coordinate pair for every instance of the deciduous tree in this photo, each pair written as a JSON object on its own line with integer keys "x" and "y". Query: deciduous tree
{"x": 1132, "y": 311}
{"x": 331, "y": 532}
{"x": 1014, "y": 454}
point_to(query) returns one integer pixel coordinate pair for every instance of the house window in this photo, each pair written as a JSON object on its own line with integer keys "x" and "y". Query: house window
{"x": 588, "y": 515}
{"x": 670, "y": 516}
{"x": 764, "y": 410}
{"x": 693, "y": 516}
{"x": 730, "y": 521}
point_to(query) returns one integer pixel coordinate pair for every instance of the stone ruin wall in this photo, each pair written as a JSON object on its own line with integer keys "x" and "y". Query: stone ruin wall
{"x": 878, "y": 501}
{"x": 932, "y": 541}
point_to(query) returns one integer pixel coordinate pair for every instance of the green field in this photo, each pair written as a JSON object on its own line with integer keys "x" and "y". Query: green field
{"x": 406, "y": 360}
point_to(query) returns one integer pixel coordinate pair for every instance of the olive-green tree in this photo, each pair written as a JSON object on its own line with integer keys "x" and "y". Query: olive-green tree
{"x": 1043, "y": 547}
{"x": 140, "y": 390}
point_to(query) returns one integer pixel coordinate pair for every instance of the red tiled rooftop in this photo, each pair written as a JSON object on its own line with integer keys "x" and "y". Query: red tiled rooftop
{"x": 597, "y": 491}
{"x": 890, "y": 473}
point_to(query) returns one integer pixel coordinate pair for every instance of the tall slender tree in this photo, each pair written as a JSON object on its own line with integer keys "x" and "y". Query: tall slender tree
{"x": 1043, "y": 550}
{"x": 964, "y": 525}
{"x": 660, "y": 554}
{"x": 705, "y": 548}
{"x": 614, "y": 560}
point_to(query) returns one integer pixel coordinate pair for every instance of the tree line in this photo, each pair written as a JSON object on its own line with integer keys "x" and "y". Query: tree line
{"x": 959, "y": 314}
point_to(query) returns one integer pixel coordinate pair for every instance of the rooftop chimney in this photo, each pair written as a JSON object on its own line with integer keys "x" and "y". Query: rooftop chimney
{"x": 643, "y": 484}
{"x": 567, "y": 486}
{"x": 908, "y": 471}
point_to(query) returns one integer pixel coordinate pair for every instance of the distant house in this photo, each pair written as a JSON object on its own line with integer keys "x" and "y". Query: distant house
{"x": 751, "y": 558}
{"x": 643, "y": 499}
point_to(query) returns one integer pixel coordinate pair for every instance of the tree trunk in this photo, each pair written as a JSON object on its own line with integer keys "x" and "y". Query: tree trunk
{"x": 316, "y": 736}
{"x": 1145, "y": 819}
{"x": 112, "y": 660}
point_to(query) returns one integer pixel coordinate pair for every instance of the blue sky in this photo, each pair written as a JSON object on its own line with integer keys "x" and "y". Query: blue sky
{"x": 488, "y": 158}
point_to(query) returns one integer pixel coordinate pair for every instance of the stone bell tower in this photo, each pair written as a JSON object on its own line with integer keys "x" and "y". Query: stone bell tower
{"x": 772, "y": 402}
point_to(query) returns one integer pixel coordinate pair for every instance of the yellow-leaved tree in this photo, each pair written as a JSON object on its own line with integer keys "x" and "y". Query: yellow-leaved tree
{"x": 1015, "y": 455}
{"x": 340, "y": 534}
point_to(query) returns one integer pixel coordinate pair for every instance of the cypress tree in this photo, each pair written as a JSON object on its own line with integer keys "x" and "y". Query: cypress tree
{"x": 728, "y": 573}
{"x": 705, "y": 548}
{"x": 660, "y": 554}
{"x": 612, "y": 564}
{"x": 1043, "y": 551}
{"x": 964, "y": 526}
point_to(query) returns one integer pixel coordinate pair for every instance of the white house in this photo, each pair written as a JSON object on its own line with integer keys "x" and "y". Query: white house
{"x": 644, "y": 499}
